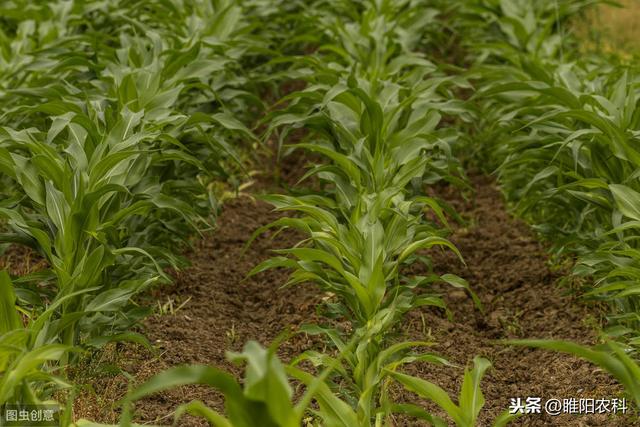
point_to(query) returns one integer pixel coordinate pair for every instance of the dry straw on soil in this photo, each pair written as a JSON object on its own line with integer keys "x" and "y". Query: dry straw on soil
{"x": 612, "y": 29}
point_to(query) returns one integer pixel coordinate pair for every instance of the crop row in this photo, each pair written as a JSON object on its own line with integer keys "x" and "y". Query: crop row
{"x": 562, "y": 129}
{"x": 116, "y": 124}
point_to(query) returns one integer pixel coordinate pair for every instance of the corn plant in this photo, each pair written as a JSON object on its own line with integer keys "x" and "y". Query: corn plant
{"x": 470, "y": 401}
{"x": 367, "y": 227}
{"x": 381, "y": 146}
{"x": 80, "y": 191}
{"x": 369, "y": 370}
{"x": 105, "y": 174}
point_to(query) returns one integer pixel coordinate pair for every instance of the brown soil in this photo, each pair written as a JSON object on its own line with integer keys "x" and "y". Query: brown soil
{"x": 506, "y": 266}
{"x": 20, "y": 260}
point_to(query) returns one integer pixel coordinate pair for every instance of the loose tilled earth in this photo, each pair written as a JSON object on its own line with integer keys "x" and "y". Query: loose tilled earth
{"x": 222, "y": 309}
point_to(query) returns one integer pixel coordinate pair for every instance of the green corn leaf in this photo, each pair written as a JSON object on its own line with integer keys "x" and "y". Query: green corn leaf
{"x": 459, "y": 282}
{"x": 266, "y": 381}
{"x": 427, "y": 243}
{"x": 314, "y": 255}
{"x": 418, "y": 412}
{"x": 471, "y": 398}
{"x": 432, "y": 392}
{"x": 185, "y": 375}
{"x": 28, "y": 366}
{"x": 199, "y": 409}
{"x": 132, "y": 337}
{"x": 335, "y": 412}
{"x": 9, "y": 318}
{"x": 627, "y": 200}
{"x": 57, "y": 207}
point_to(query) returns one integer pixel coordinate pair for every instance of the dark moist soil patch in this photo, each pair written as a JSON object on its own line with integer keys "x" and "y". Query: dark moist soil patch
{"x": 506, "y": 266}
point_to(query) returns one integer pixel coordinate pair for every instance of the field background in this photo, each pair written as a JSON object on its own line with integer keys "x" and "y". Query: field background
{"x": 612, "y": 29}
{"x": 478, "y": 127}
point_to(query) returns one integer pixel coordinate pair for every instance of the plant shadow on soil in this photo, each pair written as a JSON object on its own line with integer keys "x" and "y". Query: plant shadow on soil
{"x": 506, "y": 267}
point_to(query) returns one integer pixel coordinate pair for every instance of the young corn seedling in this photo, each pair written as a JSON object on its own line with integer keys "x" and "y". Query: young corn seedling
{"x": 471, "y": 399}
{"x": 365, "y": 226}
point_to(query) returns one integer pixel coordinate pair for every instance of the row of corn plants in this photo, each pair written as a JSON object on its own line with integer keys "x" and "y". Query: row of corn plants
{"x": 371, "y": 110}
{"x": 119, "y": 117}
{"x": 562, "y": 131}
